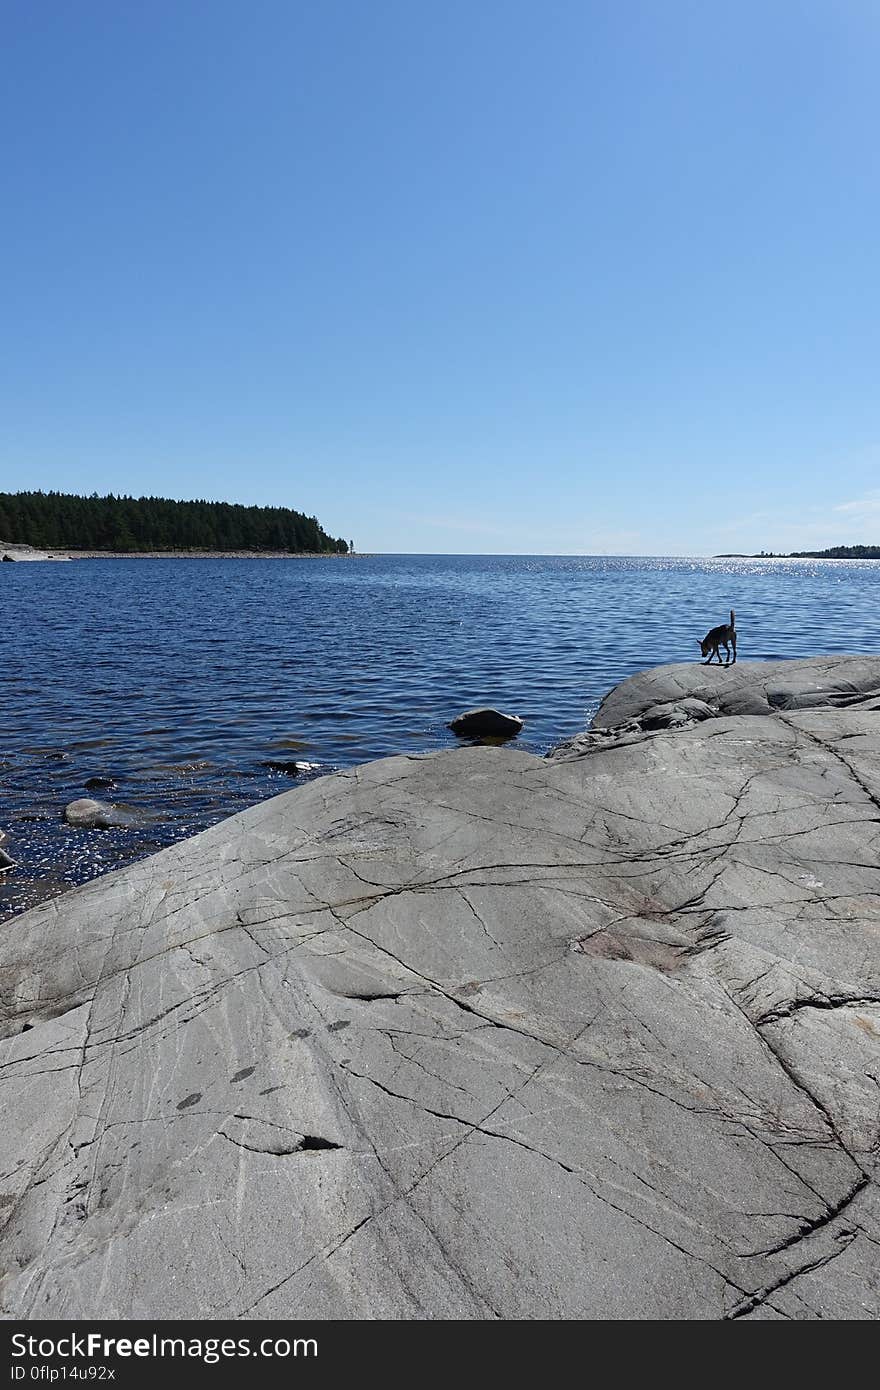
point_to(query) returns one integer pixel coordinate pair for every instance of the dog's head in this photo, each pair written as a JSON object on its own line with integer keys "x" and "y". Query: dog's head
{"x": 705, "y": 645}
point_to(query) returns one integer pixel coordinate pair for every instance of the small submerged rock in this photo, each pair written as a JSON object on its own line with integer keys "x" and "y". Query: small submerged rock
{"x": 289, "y": 768}
{"x": 488, "y": 723}
{"x": 86, "y": 814}
{"x": 99, "y": 783}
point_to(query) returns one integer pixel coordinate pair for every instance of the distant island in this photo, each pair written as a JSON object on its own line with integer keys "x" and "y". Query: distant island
{"x": 62, "y": 521}
{"x": 834, "y": 552}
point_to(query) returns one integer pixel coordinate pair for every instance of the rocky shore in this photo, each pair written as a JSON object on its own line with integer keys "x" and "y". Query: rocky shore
{"x": 476, "y": 1034}
{"x": 8, "y": 551}
{"x": 28, "y": 552}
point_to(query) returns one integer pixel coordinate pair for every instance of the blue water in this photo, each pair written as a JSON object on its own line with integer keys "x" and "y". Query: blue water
{"x": 181, "y": 679}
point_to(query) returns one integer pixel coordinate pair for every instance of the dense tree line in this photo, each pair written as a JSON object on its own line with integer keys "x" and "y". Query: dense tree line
{"x": 839, "y": 552}
{"x": 60, "y": 521}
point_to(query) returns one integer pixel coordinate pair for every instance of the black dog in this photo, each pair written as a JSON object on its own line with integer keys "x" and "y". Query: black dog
{"x": 722, "y": 636}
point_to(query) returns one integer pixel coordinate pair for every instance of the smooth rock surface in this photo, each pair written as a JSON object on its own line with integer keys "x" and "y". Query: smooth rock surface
{"x": 749, "y": 687}
{"x": 486, "y": 723}
{"x": 472, "y": 1035}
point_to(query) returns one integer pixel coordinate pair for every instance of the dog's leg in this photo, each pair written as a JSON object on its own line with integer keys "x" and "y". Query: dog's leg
{"x": 733, "y": 640}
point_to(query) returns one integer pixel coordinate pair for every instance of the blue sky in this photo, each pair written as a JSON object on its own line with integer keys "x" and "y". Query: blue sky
{"x": 567, "y": 277}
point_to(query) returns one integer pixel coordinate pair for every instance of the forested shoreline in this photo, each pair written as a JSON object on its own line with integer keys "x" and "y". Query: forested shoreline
{"x": 839, "y": 552}
{"x": 58, "y": 520}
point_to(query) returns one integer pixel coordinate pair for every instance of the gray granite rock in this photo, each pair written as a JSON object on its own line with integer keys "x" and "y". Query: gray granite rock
{"x": 676, "y": 713}
{"x": 472, "y": 1035}
{"x": 6, "y": 860}
{"x": 750, "y": 687}
{"x": 87, "y": 814}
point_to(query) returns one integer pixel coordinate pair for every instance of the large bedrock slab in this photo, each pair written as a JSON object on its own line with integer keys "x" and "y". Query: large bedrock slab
{"x": 469, "y": 1035}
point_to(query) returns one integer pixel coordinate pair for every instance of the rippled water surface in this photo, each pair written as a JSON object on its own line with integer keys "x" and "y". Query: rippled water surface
{"x": 182, "y": 679}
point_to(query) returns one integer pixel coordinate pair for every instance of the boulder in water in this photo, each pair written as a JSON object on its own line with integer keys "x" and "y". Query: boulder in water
{"x": 488, "y": 723}
{"x": 86, "y": 814}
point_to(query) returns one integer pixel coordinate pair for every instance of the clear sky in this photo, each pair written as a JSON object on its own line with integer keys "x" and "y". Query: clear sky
{"x": 482, "y": 275}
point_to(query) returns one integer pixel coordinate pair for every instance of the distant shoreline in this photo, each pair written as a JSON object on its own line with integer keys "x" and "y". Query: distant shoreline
{"x": 835, "y": 552}
{"x": 30, "y": 552}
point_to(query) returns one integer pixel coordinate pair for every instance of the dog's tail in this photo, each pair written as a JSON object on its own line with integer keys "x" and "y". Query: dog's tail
{"x": 732, "y": 618}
